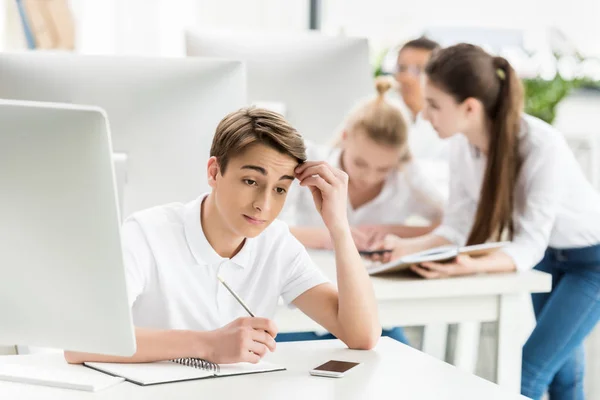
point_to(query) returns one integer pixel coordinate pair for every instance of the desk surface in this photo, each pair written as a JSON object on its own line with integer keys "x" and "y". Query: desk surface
{"x": 409, "y": 286}
{"x": 392, "y": 370}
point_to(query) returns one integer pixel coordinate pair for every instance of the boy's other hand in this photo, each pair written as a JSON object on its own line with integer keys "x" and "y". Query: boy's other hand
{"x": 329, "y": 188}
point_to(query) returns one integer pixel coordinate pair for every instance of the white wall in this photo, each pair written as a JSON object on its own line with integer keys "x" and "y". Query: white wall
{"x": 133, "y": 27}
{"x": 272, "y": 15}
{"x": 388, "y": 21}
{"x": 155, "y": 27}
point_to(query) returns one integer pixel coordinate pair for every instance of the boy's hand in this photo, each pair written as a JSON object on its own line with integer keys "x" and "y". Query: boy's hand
{"x": 329, "y": 188}
{"x": 246, "y": 339}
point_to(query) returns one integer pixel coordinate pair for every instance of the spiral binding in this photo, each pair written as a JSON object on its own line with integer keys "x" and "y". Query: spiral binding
{"x": 198, "y": 363}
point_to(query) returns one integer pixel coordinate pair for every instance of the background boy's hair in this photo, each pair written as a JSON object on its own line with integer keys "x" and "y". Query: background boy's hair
{"x": 421, "y": 43}
{"x": 249, "y": 126}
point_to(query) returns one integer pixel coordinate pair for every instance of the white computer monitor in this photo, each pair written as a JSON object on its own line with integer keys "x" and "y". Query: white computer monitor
{"x": 163, "y": 111}
{"x": 62, "y": 278}
{"x": 315, "y": 79}
{"x": 120, "y": 163}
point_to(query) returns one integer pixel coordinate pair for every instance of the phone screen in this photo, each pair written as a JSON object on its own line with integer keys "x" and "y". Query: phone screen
{"x": 336, "y": 366}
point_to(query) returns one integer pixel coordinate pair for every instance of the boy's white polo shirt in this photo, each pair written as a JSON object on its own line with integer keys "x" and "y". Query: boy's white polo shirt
{"x": 172, "y": 270}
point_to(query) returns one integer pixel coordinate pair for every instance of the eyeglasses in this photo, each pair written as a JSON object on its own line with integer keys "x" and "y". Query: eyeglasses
{"x": 415, "y": 70}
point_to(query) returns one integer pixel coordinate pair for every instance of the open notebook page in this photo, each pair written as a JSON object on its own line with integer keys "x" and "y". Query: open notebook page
{"x": 247, "y": 368}
{"x": 151, "y": 373}
{"x": 166, "y": 371}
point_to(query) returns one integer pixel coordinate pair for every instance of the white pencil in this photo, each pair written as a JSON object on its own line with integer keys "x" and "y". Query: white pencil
{"x": 234, "y": 294}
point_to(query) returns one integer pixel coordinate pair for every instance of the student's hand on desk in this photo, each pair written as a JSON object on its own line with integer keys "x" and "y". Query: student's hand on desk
{"x": 374, "y": 233}
{"x": 246, "y": 339}
{"x": 362, "y": 240}
{"x": 462, "y": 265}
{"x": 329, "y": 188}
{"x": 393, "y": 242}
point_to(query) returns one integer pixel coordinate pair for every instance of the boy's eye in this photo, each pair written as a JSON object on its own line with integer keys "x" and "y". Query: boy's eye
{"x": 280, "y": 190}
{"x": 250, "y": 182}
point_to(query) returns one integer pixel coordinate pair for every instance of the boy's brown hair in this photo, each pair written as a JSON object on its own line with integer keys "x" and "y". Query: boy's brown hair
{"x": 249, "y": 126}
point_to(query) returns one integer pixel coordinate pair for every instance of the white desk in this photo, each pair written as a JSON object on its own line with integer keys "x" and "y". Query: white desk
{"x": 393, "y": 370}
{"x": 406, "y": 300}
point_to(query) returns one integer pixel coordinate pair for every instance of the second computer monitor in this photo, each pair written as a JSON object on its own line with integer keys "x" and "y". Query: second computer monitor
{"x": 162, "y": 111}
{"x": 315, "y": 79}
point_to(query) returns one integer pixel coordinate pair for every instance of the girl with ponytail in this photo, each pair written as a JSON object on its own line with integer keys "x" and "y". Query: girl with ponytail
{"x": 514, "y": 178}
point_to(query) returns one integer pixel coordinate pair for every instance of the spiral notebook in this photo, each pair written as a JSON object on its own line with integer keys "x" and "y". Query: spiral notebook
{"x": 183, "y": 369}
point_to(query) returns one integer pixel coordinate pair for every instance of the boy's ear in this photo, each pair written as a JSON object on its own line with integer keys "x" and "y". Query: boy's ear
{"x": 212, "y": 171}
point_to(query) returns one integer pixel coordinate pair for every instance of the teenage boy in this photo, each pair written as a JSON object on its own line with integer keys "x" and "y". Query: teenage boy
{"x": 173, "y": 254}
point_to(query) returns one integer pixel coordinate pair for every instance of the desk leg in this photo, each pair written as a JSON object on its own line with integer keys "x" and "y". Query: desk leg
{"x": 467, "y": 346}
{"x": 510, "y": 346}
{"x": 435, "y": 337}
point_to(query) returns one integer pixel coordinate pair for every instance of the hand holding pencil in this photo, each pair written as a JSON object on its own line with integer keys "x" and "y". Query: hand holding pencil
{"x": 247, "y": 339}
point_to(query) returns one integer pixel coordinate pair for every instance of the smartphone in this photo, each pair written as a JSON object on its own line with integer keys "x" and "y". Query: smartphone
{"x": 333, "y": 368}
{"x": 374, "y": 252}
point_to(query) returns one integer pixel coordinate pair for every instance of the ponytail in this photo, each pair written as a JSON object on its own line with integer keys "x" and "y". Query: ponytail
{"x": 381, "y": 120}
{"x": 494, "y": 211}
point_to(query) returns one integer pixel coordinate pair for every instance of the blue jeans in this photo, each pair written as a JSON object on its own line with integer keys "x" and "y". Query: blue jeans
{"x": 553, "y": 357}
{"x": 394, "y": 333}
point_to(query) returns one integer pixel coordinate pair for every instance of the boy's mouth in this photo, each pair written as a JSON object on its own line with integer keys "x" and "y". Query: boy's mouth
{"x": 254, "y": 221}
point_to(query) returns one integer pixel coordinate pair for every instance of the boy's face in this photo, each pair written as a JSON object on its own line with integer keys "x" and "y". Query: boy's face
{"x": 252, "y": 191}
{"x": 410, "y": 66}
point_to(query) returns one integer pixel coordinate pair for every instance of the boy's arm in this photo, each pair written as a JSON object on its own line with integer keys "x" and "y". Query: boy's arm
{"x": 243, "y": 340}
{"x": 350, "y": 313}
{"x": 153, "y": 345}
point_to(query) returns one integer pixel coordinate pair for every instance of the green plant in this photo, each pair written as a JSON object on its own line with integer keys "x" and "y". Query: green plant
{"x": 542, "y": 96}
{"x": 378, "y": 63}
